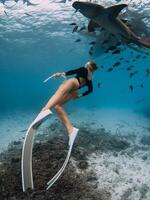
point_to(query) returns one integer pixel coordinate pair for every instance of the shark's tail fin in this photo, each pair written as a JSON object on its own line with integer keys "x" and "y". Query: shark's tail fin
{"x": 144, "y": 42}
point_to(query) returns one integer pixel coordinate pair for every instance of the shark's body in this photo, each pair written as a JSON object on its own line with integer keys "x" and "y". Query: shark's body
{"x": 109, "y": 20}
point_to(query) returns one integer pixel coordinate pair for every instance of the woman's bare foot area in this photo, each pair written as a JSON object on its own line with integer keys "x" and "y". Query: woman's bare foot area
{"x": 44, "y": 108}
{"x": 70, "y": 130}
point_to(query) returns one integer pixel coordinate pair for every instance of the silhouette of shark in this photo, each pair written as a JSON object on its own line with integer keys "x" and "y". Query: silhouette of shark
{"x": 108, "y": 19}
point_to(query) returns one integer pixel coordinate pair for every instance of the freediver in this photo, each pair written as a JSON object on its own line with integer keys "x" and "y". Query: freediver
{"x": 69, "y": 90}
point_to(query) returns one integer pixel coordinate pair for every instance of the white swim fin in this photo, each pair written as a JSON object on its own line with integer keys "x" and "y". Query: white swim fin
{"x": 58, "y": 174}
{"x": 26, "y": 162}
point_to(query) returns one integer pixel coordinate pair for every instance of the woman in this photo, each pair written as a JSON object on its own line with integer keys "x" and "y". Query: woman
{"x": 68, "y": 90}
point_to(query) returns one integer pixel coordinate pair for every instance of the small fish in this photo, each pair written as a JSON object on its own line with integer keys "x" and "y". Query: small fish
{"x": 131, "y": 52}
{"x": 102, "y": 29}
{"x": 144, "y": 57}
{"x": 62, "y": 1}
{"x": 127, "y": 61}
{"x": 147, "y": 71}
{"x": 6, "y": 13}
{"x": 28, "y": 14}
{"x": 29, "y": 3}
{"x": 112, "y": 35}
{"x": 73, "y": 24}
{"x": 133, "y": 73}
{"x": 121, "y": 58}
{"x": 98, "y": 84}
{"x": 102, "y": 66}
{"x": 142, "y": 85}
{"x": 78, "y": 40}
{"x": 90, "y": 52}
{"x": 93, "y": 42}
{"x": 116, "y": 64}
{"x": 116, "y": 52}
{"x": 128, "y": 68}
{"x": 131, "y": 88}
{"x": 111, "y": 48}
{"x": 75, "y": 29}
{"x": 138, "y": 56}
{"x": 110, "y": 69}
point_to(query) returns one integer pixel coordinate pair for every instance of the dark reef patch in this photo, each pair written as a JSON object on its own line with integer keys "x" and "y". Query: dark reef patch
{"x": 48, "y": 156}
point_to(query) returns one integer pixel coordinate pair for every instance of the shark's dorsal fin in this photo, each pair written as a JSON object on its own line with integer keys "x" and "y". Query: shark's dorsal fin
{"x": 115, "y": 10}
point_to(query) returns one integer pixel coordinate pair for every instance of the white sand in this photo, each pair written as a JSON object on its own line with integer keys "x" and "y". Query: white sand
{"x": 123, "y": 175}
{"x": 126, "y": 174}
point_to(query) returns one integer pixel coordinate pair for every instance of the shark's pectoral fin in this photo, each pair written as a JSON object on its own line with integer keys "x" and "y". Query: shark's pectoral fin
{"x": 113, "y": 11}
{"x": 92, "y": 25}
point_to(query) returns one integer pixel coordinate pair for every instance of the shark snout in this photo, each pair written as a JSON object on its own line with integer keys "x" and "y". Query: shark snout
{"x": 77, "y": 5}
{"x": 88, "y": 9}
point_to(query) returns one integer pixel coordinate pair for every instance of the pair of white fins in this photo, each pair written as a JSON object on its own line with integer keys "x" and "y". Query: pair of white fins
{"x": 26, "y": 162}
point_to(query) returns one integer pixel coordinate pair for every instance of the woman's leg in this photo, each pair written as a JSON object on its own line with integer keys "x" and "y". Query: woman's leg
{"x": 64, "y": 118}
{"x": 64, "y": 89}
{"x": 62, "y": 114}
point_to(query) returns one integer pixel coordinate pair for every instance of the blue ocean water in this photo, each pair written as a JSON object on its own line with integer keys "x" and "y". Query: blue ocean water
{"x": 38, "y": 40}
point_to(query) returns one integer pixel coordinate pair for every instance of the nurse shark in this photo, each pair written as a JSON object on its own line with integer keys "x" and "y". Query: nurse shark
{"x": 108, "y": 19}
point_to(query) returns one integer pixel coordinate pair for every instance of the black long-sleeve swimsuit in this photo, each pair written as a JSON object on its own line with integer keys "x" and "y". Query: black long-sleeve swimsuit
{"x": 82, "y": 72}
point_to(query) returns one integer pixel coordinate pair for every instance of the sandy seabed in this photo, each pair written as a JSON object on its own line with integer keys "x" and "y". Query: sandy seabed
{"x": 110, "y": 158}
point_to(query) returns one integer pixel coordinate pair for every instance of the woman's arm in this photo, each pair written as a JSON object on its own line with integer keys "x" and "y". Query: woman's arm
{"x": 74, "y": 71}
{"x": 59, "y": 74}
{"x": 70, "y": 72}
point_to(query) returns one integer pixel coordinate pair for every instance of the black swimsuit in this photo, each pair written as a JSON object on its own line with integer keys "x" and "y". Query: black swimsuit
{"x": 82, "y": 72}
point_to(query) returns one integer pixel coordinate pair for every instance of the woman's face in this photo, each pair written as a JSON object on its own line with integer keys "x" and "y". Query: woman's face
{"x": 90, "y": 67}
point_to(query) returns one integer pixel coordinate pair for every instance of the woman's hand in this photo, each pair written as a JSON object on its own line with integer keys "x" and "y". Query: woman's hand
{"x": 59, "y": 74}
